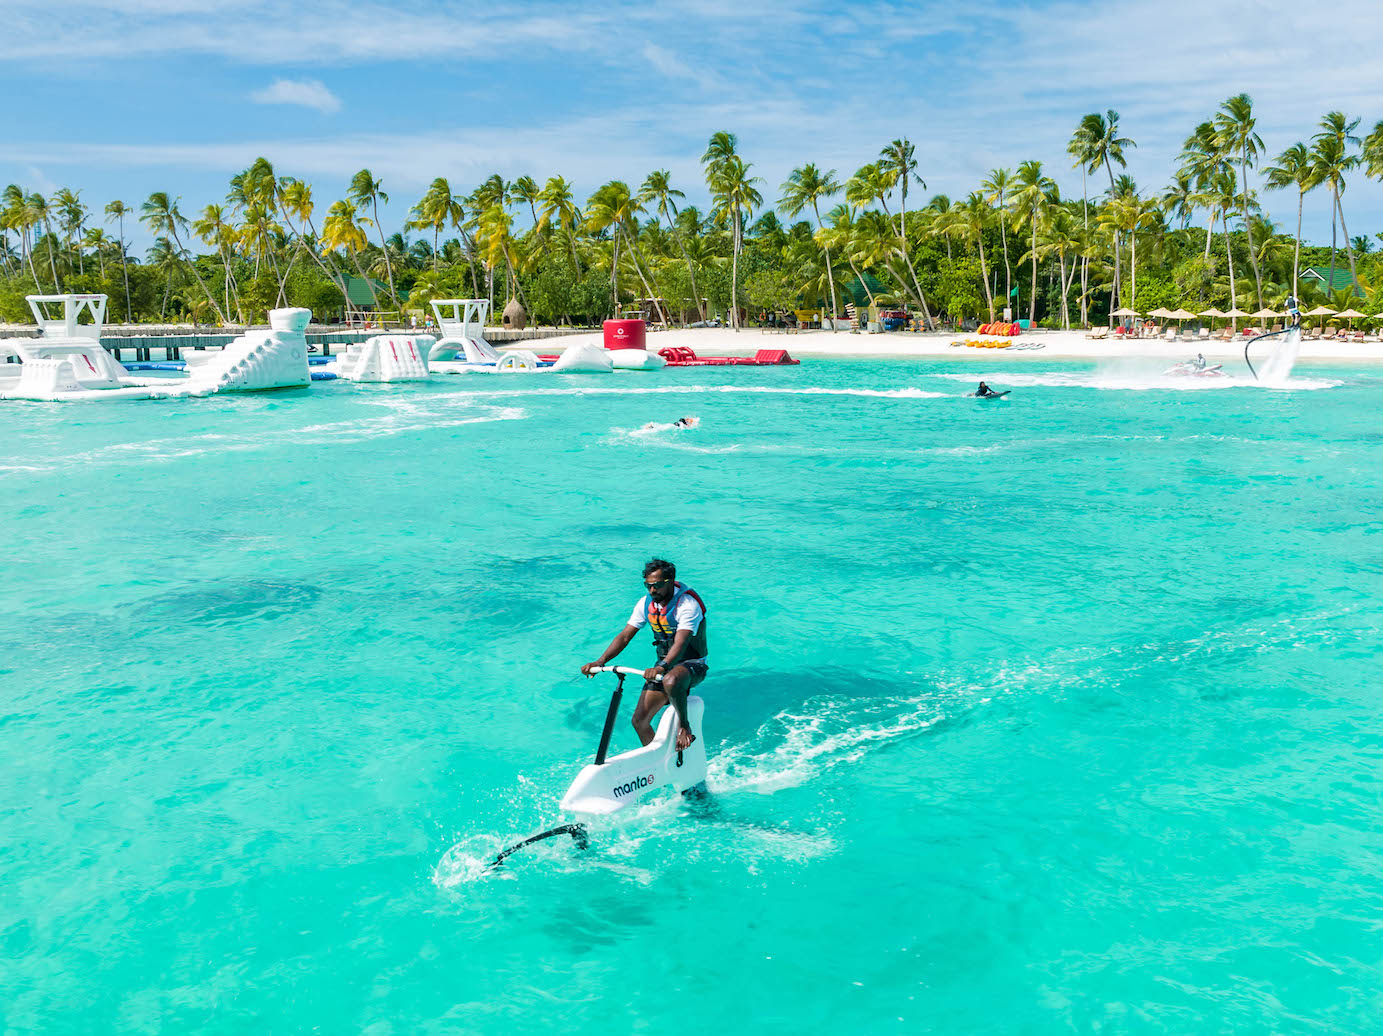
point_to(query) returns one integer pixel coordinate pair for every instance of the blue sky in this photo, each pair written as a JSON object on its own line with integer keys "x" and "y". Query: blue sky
{"x": 177, "y": 95}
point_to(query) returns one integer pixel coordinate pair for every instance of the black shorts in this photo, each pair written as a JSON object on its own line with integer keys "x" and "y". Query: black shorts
{"x": 696, "y": 667}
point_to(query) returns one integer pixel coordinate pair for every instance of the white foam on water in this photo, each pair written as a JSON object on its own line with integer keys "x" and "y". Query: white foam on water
{"x": 682, "y": 390}
{"x": 798, "y": 745}
{"x": 152, "y": 451}
{"x": 1143, "y": 382}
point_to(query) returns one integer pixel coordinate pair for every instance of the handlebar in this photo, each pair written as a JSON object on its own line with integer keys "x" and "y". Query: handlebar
{"x": 626, "y": 670}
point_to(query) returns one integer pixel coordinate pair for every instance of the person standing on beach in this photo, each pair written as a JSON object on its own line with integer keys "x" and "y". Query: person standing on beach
{"x": 677, "y": 616}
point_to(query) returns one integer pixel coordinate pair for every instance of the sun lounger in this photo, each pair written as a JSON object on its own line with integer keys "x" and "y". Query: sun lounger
{"x": 1101, "y": 333}
{"x": 1205, "y": 333}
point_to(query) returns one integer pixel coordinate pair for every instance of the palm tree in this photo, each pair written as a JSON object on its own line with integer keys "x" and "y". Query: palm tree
{"x": 1062, "y": 238}
{"x": 1331, "y": 158}
{"x": 1234, "y": 124}
{"x": 807, "y": 185}
{"x": 72, "y": 214}
{"x": 972, "y": 216}
{"x": 214, "y": 229}
{"x": 96, "y": 240}
{"x": 1294, "y": 168}
{"x": 118, "y": 210}
{"x": 657, "y": 187}
{"x": 525, "y": 188}
{"x": 616, "y": 208}
{"x": 437, "y": 208}
{"x": 1202, "y": 160}
{"x": 1130, "y": 214}
{"x": 557, "y": 200}
{"x": 19, "y": 217}
{"x": 843, "y": 234}
{"x": 873, "y": 182}
{"x": 897, "y": 160}
{"x": 343, "y": 229}
{"x": 1179, "y": 199}
{"x": 164, "y": 257}
{"x": 1373, "y": 152}
{"x": 160, "y": 214}
{"x": 735, "y": 197}
{"x": 1107, "y": 148}
{"x": 937, "y": 209}
{"x": 364, "y": 189}
{"x": 1222, "y": 192}
{"x": 1081, "y": 147}
{"x": 42, "y": 212}
{"x": 998, "y": 186}
{"x": 1034, "y": 193}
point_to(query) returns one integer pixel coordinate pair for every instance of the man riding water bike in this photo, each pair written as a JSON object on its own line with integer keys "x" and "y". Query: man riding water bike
{"x": 677, "y": 616}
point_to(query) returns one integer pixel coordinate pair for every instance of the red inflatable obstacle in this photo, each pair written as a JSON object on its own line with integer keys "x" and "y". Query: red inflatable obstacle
{"x": 625, "y": 334}
{"x": 681, "y": 356}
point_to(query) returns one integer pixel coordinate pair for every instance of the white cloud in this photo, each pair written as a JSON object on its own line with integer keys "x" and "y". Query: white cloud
{"x": 558, "y": 88}
{"x": 306, "y": 93}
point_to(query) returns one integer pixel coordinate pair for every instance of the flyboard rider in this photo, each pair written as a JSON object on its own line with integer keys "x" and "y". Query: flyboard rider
{"x": 677, "y": 616}
{"x": 1293, "y": 312}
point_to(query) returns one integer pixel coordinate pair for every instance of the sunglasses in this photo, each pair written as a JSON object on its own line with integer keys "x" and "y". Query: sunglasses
{"x": 658, "y": 585}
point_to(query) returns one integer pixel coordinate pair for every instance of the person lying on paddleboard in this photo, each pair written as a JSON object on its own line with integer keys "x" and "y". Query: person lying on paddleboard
{"x": 985, "y": 390}
{"x": 677, "y": 616}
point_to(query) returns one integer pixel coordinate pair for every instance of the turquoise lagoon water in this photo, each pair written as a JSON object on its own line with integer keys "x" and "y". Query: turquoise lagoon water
{"x": 1057, "y": 714}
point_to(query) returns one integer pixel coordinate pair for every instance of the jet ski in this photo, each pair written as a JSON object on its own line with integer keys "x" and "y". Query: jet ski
{"x": 1192, "y": 369}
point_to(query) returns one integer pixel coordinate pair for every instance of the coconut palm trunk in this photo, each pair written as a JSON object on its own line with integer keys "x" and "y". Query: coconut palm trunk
{"x": 1296, "y": 253}
{"x": 1233, "y": 291}
{"x": 984, "y": 275}
{"x": 1032, "y": 298}
{"x": 830, "y": 276}
{"x": 388, "y": 266}
{"x": 691, "y": 268}
{"x": 735, "y": 272}
{"x": 1116, "y": 297}
{"x": 1248, "y": 227}
{"x": 206, "y": 290}
{"x": 1334, "y": 209}
{"x": 1349, "y": 247}
{"x": 637, "y": 256}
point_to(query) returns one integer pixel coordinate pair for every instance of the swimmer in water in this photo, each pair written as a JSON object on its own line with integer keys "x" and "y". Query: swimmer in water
{"x": 681, "y": 422}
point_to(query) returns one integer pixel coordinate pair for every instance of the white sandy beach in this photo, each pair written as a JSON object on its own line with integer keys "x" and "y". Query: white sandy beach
{"x": 1056, "y": 345}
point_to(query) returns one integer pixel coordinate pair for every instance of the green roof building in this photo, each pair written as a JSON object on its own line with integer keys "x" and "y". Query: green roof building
{"x": 358, "y": 291}
{"x": 1320, "y": 275}
{"x": 854, "y": 291}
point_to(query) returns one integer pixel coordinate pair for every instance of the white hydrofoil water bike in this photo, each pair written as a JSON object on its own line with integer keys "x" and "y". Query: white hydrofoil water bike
{"x": 608, "y": 785}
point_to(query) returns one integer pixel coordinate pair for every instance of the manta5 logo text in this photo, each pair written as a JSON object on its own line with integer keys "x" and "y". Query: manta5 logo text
{"x": 632, "y": 786}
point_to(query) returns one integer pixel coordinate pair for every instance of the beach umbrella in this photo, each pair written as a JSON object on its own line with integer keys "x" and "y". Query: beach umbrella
{"x": 1181, "y": 314}
{"x": 1124, "y": 311}
{"x": 1319, "y": 311}
{"x": 1351, "y": 314}
{"x": 1160, "y": 311}
{"x": 1265, "y": 314}
{"x": 1212, "y": 313}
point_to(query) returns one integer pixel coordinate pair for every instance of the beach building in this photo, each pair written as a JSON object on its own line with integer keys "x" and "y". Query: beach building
{"x": 1320, "y": 277}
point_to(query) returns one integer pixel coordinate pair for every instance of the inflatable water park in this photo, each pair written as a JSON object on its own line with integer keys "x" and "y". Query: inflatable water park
{"x": 66, "y": 361}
